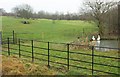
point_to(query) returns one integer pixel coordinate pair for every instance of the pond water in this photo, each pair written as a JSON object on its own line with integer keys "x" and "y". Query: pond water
{"x": 107, "y": 43}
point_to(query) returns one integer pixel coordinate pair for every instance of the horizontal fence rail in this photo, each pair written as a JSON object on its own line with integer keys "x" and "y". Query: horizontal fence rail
{"x": 67, "y": 51}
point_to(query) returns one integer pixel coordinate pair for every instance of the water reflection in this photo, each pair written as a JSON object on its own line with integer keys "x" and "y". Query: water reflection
{"x": 106, "y": 43}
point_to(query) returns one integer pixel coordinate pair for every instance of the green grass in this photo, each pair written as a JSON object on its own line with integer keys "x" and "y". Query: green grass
{"x": 61, "y": 31}
{"x": 44, "y": 29}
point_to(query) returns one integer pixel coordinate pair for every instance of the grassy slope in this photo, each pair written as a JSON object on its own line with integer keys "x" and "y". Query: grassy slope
{"x": 44, "y": 29}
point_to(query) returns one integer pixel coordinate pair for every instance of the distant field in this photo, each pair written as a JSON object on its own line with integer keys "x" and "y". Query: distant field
{"x": 44, "y": 29}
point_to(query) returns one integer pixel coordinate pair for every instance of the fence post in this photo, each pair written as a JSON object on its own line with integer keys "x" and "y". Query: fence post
{"x": 68, "y": 56}
{"x": 48, "y": 56}
{"x": 32, "y": 51}
{"x": 19, "y": 49}
{"x": 92, "y": 60}
{"x": 8, "y": 47}
{"x": 13, "y": 37}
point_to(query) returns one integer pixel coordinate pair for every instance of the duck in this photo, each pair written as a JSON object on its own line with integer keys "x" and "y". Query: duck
{"x": 92, "y": 41}
{"x": 98, "y": 38}
{"x": 93, "y": 38}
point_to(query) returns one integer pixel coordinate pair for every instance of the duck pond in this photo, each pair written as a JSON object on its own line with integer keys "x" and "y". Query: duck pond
{"x": 107, "y": 45}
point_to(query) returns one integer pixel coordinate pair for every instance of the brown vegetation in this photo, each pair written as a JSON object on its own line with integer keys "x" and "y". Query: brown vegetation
{"x": 14, "y": 66}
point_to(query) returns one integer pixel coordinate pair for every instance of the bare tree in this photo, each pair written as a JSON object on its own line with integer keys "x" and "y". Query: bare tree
{"x": 97, "y": 9}
{"x": 2, "y": 11}
{"x": 24, "y": 11}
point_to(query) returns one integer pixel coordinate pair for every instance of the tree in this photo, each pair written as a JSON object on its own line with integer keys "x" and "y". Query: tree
{"x": 23, "y": 11}
{"x": 111, "y": 20}
{"x": 41, "y": 14}
{"x": 2, "y": 12}
{"x": 97, "y": 9}
{"x": 119, "y": 24}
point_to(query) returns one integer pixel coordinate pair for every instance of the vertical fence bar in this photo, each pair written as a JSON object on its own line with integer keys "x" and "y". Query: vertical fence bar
{"x": 68, "y": 56}
{"x": 48, "y": 55}
{"x": 13, "y": 37}
{"x": 92, "y": 60}
{"x": 19, "y": 49}
{"x": 8, "y": 47}
{"x": 32, "y": 51}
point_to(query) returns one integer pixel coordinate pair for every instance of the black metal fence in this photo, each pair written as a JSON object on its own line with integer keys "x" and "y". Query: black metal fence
{"x": 67, "y": 51}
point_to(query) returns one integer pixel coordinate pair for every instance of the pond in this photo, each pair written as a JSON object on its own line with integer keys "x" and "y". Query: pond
{"x": 107, "y": 43}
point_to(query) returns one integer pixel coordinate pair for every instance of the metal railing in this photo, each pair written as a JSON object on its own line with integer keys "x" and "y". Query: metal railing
{"x": 67, "y": 58}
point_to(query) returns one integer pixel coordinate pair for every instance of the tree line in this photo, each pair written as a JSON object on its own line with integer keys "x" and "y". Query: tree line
{"x": 56, "y": 16}
{"x": 26, "y": 11}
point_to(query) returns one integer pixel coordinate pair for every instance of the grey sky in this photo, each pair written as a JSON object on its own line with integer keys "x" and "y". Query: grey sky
{"x": 71, "y": 6}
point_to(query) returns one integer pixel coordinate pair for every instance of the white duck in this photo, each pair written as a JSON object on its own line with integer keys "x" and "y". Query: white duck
{"x": 98, "y": 42}
{"x": 93, "y": 38}
{"x": 93, "y": 42}
{"x": 98, "y": 38}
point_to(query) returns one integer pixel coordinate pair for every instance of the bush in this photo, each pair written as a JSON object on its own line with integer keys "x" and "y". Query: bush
{"x": 25, "y": 22}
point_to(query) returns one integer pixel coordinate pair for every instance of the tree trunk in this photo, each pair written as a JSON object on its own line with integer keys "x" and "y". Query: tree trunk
{"x": 101, "y": 29}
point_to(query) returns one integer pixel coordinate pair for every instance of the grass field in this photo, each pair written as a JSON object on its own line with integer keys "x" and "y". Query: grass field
{"x": 60, "y": 31}
{"x": 44, "y": 29}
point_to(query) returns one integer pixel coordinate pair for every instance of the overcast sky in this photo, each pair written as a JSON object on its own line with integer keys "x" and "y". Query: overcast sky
{"x": 65, "y": 6}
